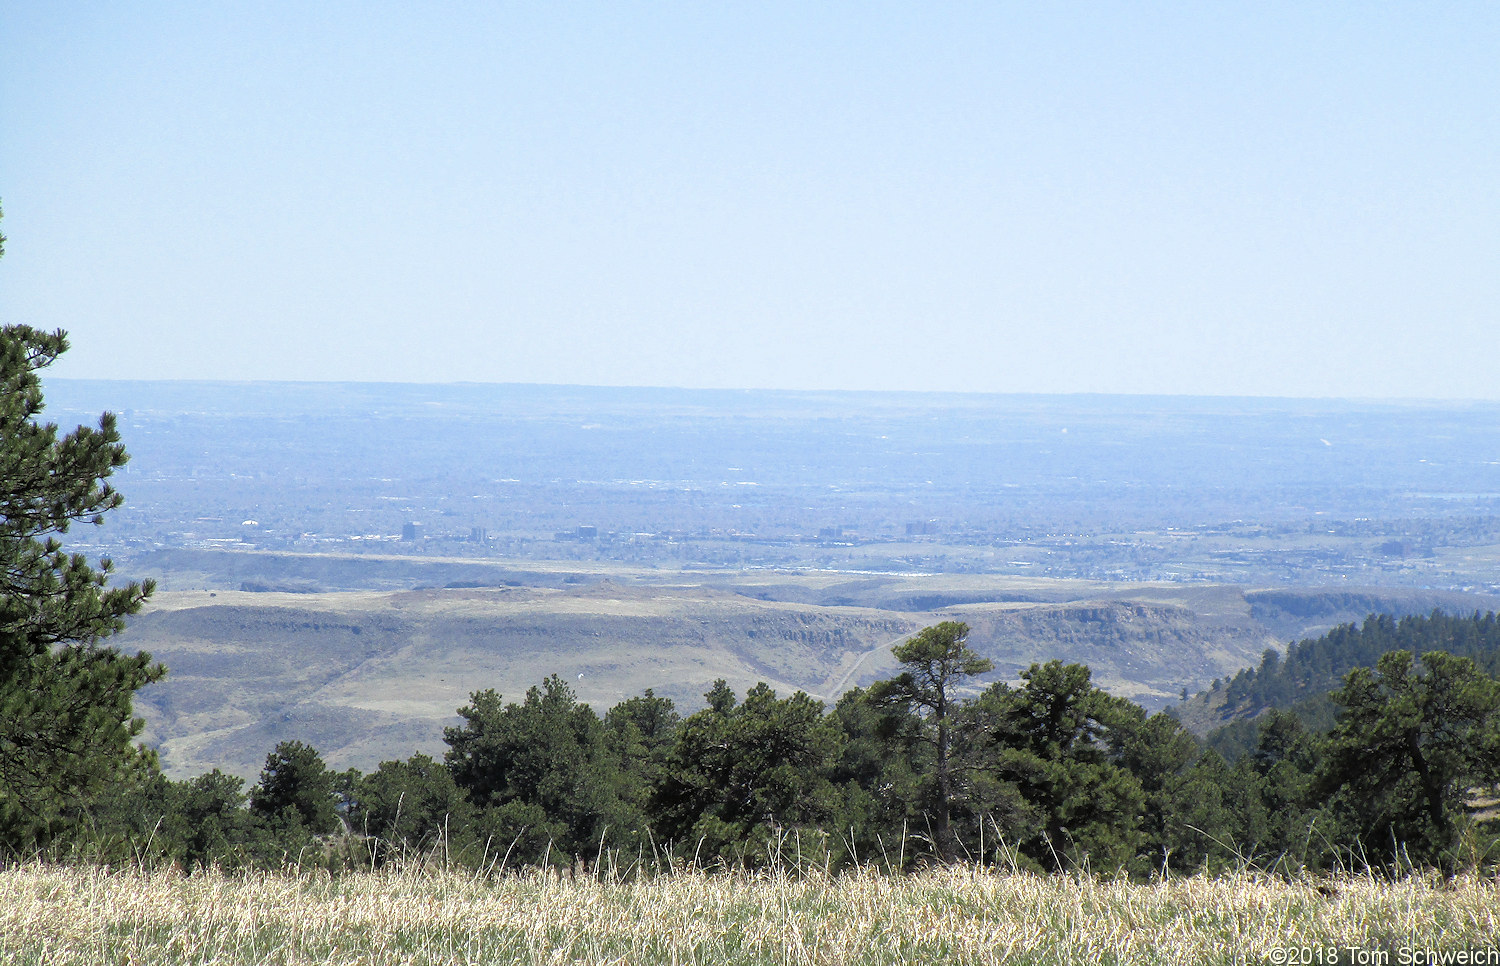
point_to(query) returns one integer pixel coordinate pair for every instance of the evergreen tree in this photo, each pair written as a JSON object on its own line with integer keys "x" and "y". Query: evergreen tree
{"x": 640, "y": 732}
{"x": 1057, "y": 740}
{"x": 937, "y": 661}
{"x": 198, "y": 823}
{"x": 1201, "y": 832}
{"x": 743, "y": 776}
{"x": 541, "y": 774}
{"x": 411, "y": 806}
{"x": 1408, "y": 747}
{"x": 296, "y": 790}
{"x": 1161, "y": 754}
{"x": 212, "y": 810}
{"x": 1274, "y": 820}
{"x": 66, "y": 724}
{"x": 883, "y": 769}
{"x": 1312, "y": 668}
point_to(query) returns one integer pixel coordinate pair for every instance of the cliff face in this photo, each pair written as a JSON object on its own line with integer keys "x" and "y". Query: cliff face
{"x": 368, "y": 675}
{"x": 1144, "y": 651}
{"x": 371, "y": 676}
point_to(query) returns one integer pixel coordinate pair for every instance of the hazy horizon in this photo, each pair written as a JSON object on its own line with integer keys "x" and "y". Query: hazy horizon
{"x": 1251, "y": 200}
{"x": 48, "y": 378}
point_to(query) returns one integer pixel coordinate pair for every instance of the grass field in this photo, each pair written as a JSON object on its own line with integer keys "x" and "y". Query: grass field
{"x": 57, "y": 915}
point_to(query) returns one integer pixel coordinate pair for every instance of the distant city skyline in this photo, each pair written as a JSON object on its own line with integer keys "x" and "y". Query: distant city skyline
{"x": 1271, "y": 199}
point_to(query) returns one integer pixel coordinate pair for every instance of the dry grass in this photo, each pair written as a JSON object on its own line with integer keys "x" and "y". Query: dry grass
{"x": 66, "y": 915}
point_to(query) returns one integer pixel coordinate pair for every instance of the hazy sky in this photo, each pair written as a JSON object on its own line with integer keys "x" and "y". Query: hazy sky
{"x": 1234, "y": 198}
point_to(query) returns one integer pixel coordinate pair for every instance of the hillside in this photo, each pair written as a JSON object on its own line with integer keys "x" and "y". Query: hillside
{"x": 371, "y": 676}
{"x": 1301, "y": 678}
{"x": 367, "y": 675}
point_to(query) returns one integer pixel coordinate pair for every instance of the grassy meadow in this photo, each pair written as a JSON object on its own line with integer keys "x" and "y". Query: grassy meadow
{"x": 58, "y": 915}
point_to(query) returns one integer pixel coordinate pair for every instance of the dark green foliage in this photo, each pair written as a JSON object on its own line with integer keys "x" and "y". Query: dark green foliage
{"x": 882, "y": 769}
{"x": 1282, "y": 738}
{"x": 1051, "y": 774}
{"x": 216, "y": 820}
{"x": 1302, "y": 680}
{"x": 1278, "y": 822}
{"x": 937, "y": 662}
{"x": 1316, "y": 715}
{"x": 1200, "y": 831}
{"x": 639, "y": 733}
{"x": 410, "y": 807}
{"x": 1409, "y": 746}
{"x": 1180, "y": 802}
{"x": 518, "y": 833}
{"x": 1285, "y": 759}
{"x": 720, "y": 697}
{"x": 142, "y": 816}
{"x": 198, "y": 823}
{"x": 296, "y": 790}
{"x": 66, "y": 725}
{"x": 1057, "y": 741}
{"x": 1312, "y": 668}
{"x": 741, "y": 777}
{"x": 542, "y": 766}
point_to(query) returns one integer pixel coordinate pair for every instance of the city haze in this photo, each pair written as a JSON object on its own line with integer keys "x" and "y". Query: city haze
{"x": 347, "y": 563}
{"x": 1267, "y": 199}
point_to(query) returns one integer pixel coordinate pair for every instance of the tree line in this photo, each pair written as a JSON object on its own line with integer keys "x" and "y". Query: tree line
{"x": 1301, "y": 680}
{"x": 1048, "y": 773}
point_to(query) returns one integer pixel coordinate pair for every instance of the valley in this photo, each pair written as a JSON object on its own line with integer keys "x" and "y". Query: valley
{"x": 369, "y": 673}
{"x": 345, "y": 563}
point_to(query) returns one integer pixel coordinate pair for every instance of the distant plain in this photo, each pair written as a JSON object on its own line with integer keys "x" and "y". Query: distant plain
{"x": 345, "y": 564}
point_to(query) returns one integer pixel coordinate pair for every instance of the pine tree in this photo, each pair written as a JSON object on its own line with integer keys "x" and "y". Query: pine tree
{"x": 66, "y": 724}
{"x": 296, "y": 788}
{"x": 1409, "y": 745}
{"x": 937, "y": 662}
{"x": 543, "y": 765}
{"x": 410, "y": 807}
{"x": 640, "y": 732}
{"x": 1058, "y": 740}
{"x": 742, "y": 776}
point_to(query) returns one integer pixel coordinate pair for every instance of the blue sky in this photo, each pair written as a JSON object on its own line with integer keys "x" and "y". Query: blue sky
{"x": 1287, "y": 199}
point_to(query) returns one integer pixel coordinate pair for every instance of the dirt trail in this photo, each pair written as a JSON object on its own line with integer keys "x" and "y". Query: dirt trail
{"x": 838, "y": 688}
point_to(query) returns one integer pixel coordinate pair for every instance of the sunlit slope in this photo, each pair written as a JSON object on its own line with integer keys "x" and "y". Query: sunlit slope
{"x": 372, "y": 675}
{"x": 368, "y": 676}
